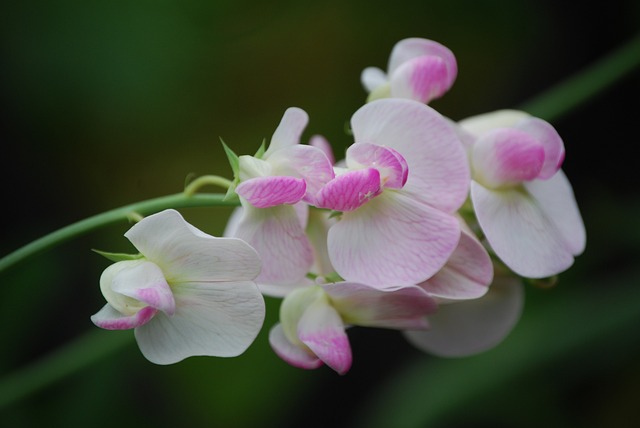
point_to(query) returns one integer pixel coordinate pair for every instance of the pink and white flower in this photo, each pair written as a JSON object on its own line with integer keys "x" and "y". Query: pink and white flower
{"x": 313, "y": 320}
{"x": 419, "y": 69}
{"x": 287, "y": 174}
{"x": 523, "y": 201}
{"x": 187, "y": 294}
{"x": 405, "y": 177}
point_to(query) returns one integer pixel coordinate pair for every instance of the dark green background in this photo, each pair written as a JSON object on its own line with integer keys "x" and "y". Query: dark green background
{"x": 109, "y": 103}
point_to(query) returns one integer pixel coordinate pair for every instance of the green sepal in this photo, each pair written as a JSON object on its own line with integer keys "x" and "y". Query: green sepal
{"x": 234, "y": 161}
{"x": 335, "y": 214}
{"x": 118, "y": 257}
{"x": 261, "y": 150}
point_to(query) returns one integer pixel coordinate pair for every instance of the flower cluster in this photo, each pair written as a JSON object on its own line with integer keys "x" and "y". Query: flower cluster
{"x": 426, "y": 226}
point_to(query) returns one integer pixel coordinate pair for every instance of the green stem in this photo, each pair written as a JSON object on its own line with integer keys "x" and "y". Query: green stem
{"x": 215, "y": 180}
{"x": 128, "y": 212}
{"x": 566, "y": 96}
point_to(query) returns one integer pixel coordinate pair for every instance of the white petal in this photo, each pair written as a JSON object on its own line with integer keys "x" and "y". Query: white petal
{"x": 213, "y": 319}
{"x": 372, "y": 78}
{"x": 392, "y": 240}
{"x": 472, "y": 326}
{"x": 438, "y": 168}
{"x": 483, "y": 123}
{"x": 520, "y": 232}
{"x": 288, "y": 131}
{"x": 186, "y": 254}
{"x": 144, "y": 282}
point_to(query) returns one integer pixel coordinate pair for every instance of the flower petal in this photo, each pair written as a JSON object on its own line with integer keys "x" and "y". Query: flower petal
{"x": 350, "y": 190}
{"x": 546, "y": 135}
{"x": 216, "y": 319}
{"x": 392, "y": 240}
{"x": 472, "y": 326}
{"x": 467, "y": 274}
{"x": 506, "y": 157}
{"x": 407, "y": 49}
{"x": 279, "y": 239}
{"x": 520, "y": 233}
{"x": 293, "y": 355}
{"x": 390, "y": 164}
{"x": 187, "y": 254}
{"x": 372, "y": 78}
{"x": 556, "y": 200}
{"x": 438, "y": 167}
{"x": 265, "y": 192}
{"x": 323, "y": 144}
{"x": 288, "y": 131}
{"x": 481, "y": 124}
{"x": 305, "y": 162}
{"x": 142, "y": 281}
{"x": 322, "y": 330}
{"x": 421, "y": 79}
{"x": 110, "y": 319}
{"x": 397, "y": 307}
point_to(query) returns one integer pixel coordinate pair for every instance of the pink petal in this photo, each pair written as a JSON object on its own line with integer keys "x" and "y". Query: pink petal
{"x": 185, "y": 253}
{"x": 322, "y": 330}
{"x": 218, "y": 319}
{"x": 110, "y": 319}
{"x": 266, "y": 192}
{"x": 472, "y": 326}
{"x": 505, "y": 157}
{"x": 390, "y": 164}
{"x": 467, "y": 274}
{"x": 293, "y": 355}
{"x": 350, "y": 190}
{"x": 556, "y": 200}
{"x": 520, "y": 232}
{"x": 278, "y": 237}
{"x": 421, "y": 79}
{"x": 395, "y": 307}
{"x": 288, "y": 131}
{"x": 305, "y": 162}
{"x": 546, "y": 135}
{"x": 392, "y": 240}
{"x": 438, "y": 167}
{"x": 408, "y": 49}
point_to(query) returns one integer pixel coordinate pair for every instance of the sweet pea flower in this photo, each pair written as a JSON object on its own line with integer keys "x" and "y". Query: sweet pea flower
{"x": 405, "y": 177}
{"x": 419, "y": 69}
{"x": 468, "y": 327}
{"x": 522, "y": 200}
{"x": 313, "y": 320}
{"x": 288, "y": 174}
{"x": 186, "y": 294}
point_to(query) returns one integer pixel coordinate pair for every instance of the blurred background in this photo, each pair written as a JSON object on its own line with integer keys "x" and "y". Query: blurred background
{"x": 110, "y": 103}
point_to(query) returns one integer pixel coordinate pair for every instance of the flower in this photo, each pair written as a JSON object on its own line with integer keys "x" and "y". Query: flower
{"x": 522, "y": 200}
{"x": 187, "y": 294}
{"x": 288, "y": 174}
{"x": 313, "y": 320}
{"x": 405, "y": 177}
{"x": 419, "y": 69}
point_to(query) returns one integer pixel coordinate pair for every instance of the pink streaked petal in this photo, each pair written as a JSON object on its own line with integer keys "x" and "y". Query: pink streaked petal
{"x": 187, "y": 254}
{"x": 306, "y": 162}
{"x": 110, "y": 319}
{"x": 467, "y": 274}
{"x": 550, "y": 140}
{"x": 472, "y": 326}
{"x": 290, "y": 353}
{"x": 144, "y": 282}
{"x": 438, "y": 167}
{"x": 480, "y": 124}
{"x": 390, "y": 164}
{"x": 408, "y": 49}
{"x": 214, "y": 319}
{"x": 520, "y": 233}
{"x": 323, "y": 144}
{"x": 421, "y": 79}
{"x": 266, "y": 192}
{"x": 278, "y": 237}
{"x": 350, "y": 190}
{"x": 322, "y": 330}
{"x": 393, "y": 307}
{"x": 288, "y": 131}
{"x": 392, "y": 240}
{"x": 372, "y": 78}
{"x": 505, "y": 157}
{"x": 556, "y": 200}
